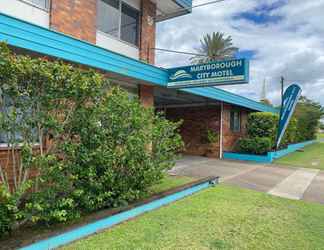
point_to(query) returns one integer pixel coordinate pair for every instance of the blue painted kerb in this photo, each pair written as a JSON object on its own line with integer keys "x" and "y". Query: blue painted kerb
{"x": 92, "y": 228}
{"x": 269, "y": 157}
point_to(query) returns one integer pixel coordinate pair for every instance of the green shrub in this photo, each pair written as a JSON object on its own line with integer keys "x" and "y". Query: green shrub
{"x": 6, "y": 218}
{"x": 105, "y": 149}
{"x": 124, "y": 148}
{"x": 290, "y": 136}
{"x": 262, "y": 124}
{"x": 257, "y": 145}
{"x": 308, "y": 114}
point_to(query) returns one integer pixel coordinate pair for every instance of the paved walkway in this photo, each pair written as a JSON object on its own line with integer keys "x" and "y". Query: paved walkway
{"x": 291, "y": 183}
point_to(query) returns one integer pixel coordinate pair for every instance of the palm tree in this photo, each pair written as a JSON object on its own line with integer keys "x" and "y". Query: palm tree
{"x": 215, "y": 47}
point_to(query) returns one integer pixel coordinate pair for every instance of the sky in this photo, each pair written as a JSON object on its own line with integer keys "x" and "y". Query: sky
{"x": 280, "y": 37}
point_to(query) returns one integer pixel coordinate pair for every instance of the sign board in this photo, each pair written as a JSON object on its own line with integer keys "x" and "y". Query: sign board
{"x": 235, "y": 71}
{"x": 288, "y": 106}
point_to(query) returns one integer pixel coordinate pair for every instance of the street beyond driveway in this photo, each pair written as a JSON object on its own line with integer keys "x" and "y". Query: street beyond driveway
{"x": 292, "y": 183}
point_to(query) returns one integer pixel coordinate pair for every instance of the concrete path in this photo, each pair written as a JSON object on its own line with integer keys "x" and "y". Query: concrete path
{"x": 292, "y": 183}
{"x": 295, "y": 185}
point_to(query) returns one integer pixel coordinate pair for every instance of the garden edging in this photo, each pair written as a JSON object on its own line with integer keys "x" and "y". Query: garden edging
{"x": 270, "y": 156}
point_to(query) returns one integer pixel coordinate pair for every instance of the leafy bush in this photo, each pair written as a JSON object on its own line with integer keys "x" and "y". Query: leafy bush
{"x": 257, "y": 145}
{"x": 97, "y": 147}
{"x": 262, "y": 124}
{"x": 308, "y": 115}
{"x": 290, "y": 136}
{"x": 262, "y": 129}
{"x": 6, "y": 217}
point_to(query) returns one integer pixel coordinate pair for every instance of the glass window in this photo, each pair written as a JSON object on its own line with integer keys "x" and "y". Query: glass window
{"x": 108, "y": 20}
{"x": 129, "y": 24}
{"x": 235, "y": 121}
{"x": 119, "y": 20}
{"x": 6, "y": 137}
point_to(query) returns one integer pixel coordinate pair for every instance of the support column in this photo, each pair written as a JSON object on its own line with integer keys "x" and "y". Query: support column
{"x": 221, "y": 132}
{"x": 146, "y": 95}
{"x": 147, "y": 41}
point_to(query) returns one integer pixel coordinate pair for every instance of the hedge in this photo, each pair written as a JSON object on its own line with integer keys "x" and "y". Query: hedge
{"x": 105, "y": 148}
{"x": 262, "y": 132}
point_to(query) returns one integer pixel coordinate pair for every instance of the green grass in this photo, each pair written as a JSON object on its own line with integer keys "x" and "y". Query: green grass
{"x": 312, "y": 157}
{"x": 169, "y": 182}
{"x": 320, "y": 136}
{"x": 222, "y": 217}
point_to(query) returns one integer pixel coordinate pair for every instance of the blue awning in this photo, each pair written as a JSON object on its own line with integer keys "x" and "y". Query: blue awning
{"x": 22, "y": 34}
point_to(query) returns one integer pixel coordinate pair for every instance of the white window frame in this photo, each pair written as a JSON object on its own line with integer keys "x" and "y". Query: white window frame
{"x": 119, "y": 25}
{"x": 47, "y": 4}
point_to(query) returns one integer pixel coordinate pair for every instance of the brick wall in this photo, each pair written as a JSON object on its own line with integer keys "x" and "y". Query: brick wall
{"x": 146, "y": 95}
{"x": 229, "y": 137}
{"x": 147, "y": 41}
{"x": 75, "y": 17}
{"x": 196, "y": 121}
{"x": 148, "y": 29}
{"x": 6, "y": 164}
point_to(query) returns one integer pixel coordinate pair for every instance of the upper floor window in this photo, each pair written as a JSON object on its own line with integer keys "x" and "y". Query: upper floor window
{"x": 118, "y": 19}
{"x": 44, "y": 4}
{"x": 235, "y": 121}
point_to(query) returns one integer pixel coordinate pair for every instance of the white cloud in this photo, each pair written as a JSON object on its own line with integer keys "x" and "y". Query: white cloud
{"x": 293, "y": 46}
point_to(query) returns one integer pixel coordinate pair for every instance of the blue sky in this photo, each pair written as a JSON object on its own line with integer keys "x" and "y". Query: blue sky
{"x": 280, "y": 37}
{"x": 263, "y": 14}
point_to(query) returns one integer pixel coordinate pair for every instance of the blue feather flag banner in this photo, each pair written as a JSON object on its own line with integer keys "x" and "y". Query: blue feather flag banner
{"x": 289, "y": 103}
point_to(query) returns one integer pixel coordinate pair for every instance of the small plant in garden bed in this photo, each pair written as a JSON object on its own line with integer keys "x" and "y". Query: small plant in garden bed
{"x": 96, "y": 148}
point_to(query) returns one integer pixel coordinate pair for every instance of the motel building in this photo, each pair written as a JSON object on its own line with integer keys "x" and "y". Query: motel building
{"x": 116, "y": 37}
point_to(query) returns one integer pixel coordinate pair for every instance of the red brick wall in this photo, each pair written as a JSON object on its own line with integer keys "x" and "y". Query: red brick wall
{"x": 196, "y": 121}
{"x": 147, "y": 41}
{"x": 6, "y": 163}
{"x": 75, "y": 17}
{"x": 146, "y": 95}
{"x": 148, "y": 28}
{"x": 229, "y": 137}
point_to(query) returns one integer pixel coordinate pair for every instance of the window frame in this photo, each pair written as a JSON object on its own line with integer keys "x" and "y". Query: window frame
{"x": 120, "y": 4}
{"x": 233, "y": 127}
{"x": 46, "y": 8}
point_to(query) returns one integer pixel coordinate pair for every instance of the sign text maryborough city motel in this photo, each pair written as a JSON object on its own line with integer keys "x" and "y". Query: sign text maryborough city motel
{"x": 235, "y": 71}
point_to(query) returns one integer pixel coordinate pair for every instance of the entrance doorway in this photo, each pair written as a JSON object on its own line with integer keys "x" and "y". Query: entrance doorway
{"x": 200, "y": 116}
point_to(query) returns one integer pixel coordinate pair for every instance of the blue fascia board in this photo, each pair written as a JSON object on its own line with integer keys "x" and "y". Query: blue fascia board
{"x": 186, "y": 4}
{"x": 22, "y": 34}
{"x": 28, "y": 36}
{"x": 225, "y": 96}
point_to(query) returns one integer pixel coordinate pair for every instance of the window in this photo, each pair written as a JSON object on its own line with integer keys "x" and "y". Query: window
{"x": 108, "y": 17}
{"x": 44, "y": 4}
{"x": 235, "y": 121}
{"x": 129, "y": 24}
{"x": 8, "y": 136}
{"x": 119, "y": 20}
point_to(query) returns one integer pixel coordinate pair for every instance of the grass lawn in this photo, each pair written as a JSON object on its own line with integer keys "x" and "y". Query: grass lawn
{"x": 27, "y": 235}
{"x": 221, "y": 217}
{"x": 312, "y": 157}
{"x": 169, "y": 182}
{"x": 320, "y": 136}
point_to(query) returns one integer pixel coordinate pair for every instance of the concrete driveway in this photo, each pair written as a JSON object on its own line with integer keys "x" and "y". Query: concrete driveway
{"x": 291, "y": 183}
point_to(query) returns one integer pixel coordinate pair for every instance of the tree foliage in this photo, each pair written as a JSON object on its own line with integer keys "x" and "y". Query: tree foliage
{"x": 308, "y": 114}
{"x": 214, "y": 47}
{"x": 262, "y": 133}
{"x": 78, "y": 144}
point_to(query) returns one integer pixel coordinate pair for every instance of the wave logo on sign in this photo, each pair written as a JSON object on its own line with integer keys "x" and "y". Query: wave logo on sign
{"x": 180, "y": 74}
